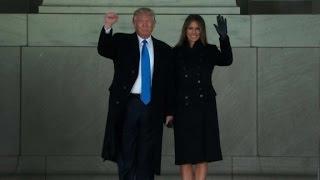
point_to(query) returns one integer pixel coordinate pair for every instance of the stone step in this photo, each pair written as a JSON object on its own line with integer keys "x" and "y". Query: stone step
{"x": 130, "y": 10}
{"x": 146, "y": 3}
{"x": 127, "y": 7}
{"x": 162, "y": 177}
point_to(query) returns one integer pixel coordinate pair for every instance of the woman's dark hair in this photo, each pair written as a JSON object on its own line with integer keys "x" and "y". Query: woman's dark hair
{"x": 199, "y": 20}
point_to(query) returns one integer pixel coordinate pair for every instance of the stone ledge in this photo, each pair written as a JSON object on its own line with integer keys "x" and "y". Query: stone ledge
{"x": 162, "y": 177}
{"x": 93, "y": 165}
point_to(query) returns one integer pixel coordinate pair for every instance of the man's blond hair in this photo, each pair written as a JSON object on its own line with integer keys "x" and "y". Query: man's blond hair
{"x": 144, "y": 10}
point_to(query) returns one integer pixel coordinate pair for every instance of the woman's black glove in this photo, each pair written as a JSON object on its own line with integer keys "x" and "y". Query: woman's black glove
{"x": 222, "y": 26}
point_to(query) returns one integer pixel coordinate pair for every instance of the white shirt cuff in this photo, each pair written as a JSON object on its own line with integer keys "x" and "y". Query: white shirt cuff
{"x": 107, "y": 30}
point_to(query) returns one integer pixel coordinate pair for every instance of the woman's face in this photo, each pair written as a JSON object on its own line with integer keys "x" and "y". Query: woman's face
{"x": 193, "y": 33}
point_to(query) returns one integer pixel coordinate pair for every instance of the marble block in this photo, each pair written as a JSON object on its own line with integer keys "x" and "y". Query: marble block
{"x": 236, "y": 103}
{"x": 288, "y": 102}
{"x": 10, "y": 100}
{"x": 285, "y": 30}
{"x": 13, "y": 29}
{"x": 64, "y": 100}
{"x": 84, "y": 30}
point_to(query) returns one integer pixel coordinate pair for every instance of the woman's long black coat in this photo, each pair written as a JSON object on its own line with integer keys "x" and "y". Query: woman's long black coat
{"x": 195, "y": 100}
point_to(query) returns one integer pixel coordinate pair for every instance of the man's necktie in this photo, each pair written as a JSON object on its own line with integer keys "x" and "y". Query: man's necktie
{"x": 145, "y": 95}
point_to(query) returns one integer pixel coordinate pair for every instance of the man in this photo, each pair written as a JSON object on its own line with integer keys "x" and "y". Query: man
{"x": 140, "y": 96}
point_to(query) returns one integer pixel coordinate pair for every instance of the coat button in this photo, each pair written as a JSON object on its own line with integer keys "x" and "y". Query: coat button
{"x": 186, "y": 75}
{"x": 186, "y": 97}
{"x": 198, "y": 81}
{"x": 117, "y": 102}
{"x": 124, "y": 87}
{"x": 133, "y": 71}
{"x": 201, "y": 95}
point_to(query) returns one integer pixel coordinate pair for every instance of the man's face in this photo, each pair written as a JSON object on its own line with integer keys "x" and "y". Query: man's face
{"x": 143, "y": 24}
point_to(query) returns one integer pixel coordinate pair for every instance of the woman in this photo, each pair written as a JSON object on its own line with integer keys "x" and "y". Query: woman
{"x": 196, "y": 128}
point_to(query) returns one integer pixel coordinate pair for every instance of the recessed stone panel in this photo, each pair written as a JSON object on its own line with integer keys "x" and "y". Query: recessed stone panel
{"x": 288, "y": 102}
{"x": 64, "y": 100}
{"x": 10, "y": 100}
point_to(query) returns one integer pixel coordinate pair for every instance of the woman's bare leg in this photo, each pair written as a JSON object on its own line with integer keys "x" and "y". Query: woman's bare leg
{"x": 201, "y": 171}
{"x": 186, "y": 172}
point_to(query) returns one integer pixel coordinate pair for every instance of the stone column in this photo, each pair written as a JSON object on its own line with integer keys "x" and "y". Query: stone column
{"x": 315, "y": 7}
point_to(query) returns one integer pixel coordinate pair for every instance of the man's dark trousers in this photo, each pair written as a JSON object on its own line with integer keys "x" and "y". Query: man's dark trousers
{"x": 136, "y": 158}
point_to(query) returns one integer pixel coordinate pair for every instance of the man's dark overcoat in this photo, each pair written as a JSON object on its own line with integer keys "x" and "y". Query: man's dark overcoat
{"x": 123, "y": 50}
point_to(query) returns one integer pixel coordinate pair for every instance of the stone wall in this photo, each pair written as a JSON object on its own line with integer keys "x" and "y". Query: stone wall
{"x": 54, "y": 97}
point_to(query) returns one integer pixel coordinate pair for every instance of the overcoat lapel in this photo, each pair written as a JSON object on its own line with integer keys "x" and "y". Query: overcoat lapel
{"x": 155, "y": 60}
{"x": 135, "y": 50}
